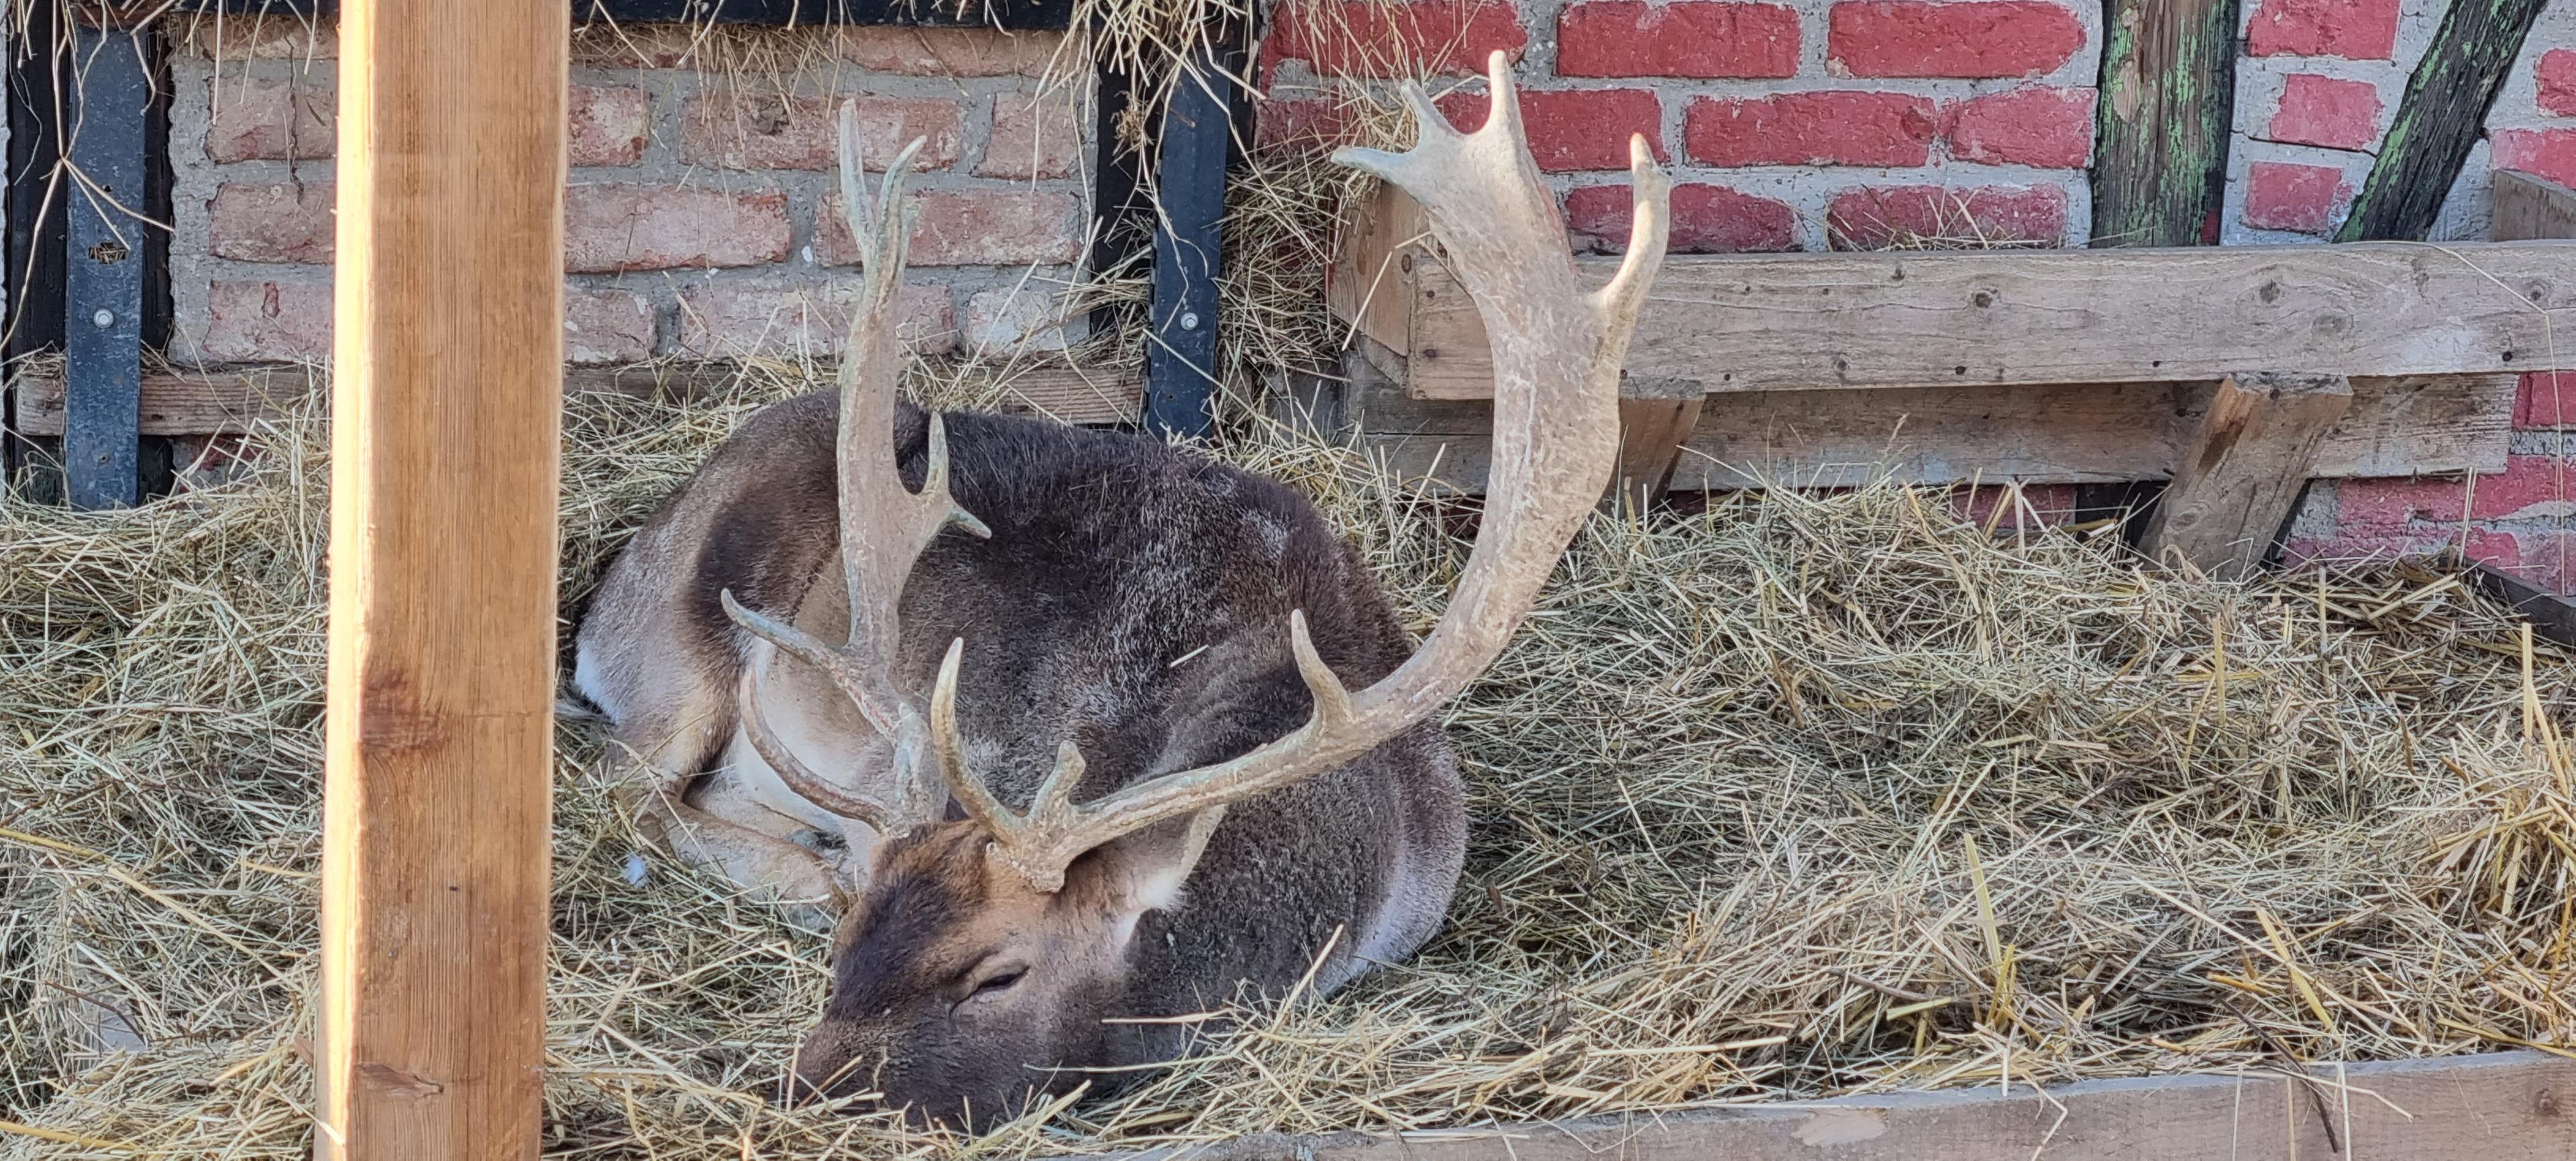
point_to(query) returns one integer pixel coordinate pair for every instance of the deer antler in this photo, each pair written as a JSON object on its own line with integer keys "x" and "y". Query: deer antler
{"x": 884, "y": 525}
{"x": 1557, "y": 352}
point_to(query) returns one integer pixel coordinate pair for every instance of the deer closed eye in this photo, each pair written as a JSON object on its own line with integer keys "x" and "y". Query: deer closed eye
{"x": 994, "y": 983}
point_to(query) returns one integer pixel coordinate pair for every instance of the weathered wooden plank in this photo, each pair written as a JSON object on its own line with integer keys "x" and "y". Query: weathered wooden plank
{"x": 2168, "y": 104}
{"x": 2529, "y": 208}
{"x": 2513, "y": 1106}
{"x": 219, "y": 401}
{"x": 440, "y": 725}
{"x": 1651, "y": 433}
{"x": 2253, "y": 452}
{"x": 2440, "y": 119}
{"x": 1370, "y": 283}
{"x": 1793, "y": 322}
{"x": 2056, "y": 434}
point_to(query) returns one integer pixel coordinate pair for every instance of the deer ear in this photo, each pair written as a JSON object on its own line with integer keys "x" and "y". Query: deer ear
{"x": 1156, "y": 862}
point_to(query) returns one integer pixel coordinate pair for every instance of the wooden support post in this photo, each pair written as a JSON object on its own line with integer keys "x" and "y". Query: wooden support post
{"x": 2168, "y": 104}
{"x": 2441, "y": 117}
{"x": 2529, "y": 209}
{"x": 2233, "y": 489}
{"x": 442, "y": 652}
{"x": 1651, "y": 433}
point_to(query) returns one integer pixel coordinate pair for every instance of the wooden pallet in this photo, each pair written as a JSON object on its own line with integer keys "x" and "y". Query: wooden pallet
{"x": 2237, "y": 372}
{"x": 231, "y": 399}
{"x": 2509, "y": 1106}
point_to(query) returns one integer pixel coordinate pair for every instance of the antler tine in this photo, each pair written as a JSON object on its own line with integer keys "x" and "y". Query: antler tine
{"x": 884, "y": 525}
{"x": 794, "y": 772}
{"x": 1556, "y": 430}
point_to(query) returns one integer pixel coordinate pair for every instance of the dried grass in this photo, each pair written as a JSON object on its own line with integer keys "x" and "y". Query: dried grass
{"x": 1801, "y": 795}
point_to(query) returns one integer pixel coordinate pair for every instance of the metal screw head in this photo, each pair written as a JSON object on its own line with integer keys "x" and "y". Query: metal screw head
{"x": 104, "y": 318}
{"x": 1189, "y": 320}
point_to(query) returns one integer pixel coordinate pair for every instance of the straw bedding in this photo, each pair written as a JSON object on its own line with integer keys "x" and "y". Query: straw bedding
{"x": 1797, "y": 795}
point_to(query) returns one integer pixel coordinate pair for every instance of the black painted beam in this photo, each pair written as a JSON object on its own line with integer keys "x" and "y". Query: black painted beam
{"x": 1181, "y": 353}
{"x": 34, "y": 253}
{"x": 108, "y": 107}
{"x": 2440, "y": 119}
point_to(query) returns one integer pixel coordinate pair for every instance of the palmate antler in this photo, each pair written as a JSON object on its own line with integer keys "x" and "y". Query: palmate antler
{"x": 884, "y": 526}
{"x": 1557, "y": 351}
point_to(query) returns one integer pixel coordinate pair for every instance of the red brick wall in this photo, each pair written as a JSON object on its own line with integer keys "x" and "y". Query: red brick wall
{"x": 701, "y": 220}
{"x": 1803, "y": 124}
{"x": 1791, "y": 125}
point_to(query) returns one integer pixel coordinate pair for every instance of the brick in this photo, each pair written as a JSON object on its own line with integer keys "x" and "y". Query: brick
{"x": 617, "y": 227}
{"x": 1819, "y": 128}
{"x": 2350, "y": 546}
{"x": 1013, "y": 320}
{"x": 2531, "y": 487}
{"x": 2336, "y": 114}
{"x": 264, "y": 119}
{"x": 969, "y": 227}
{"x": 1304, "y": 125}
{"x": 235, "y": 38}
{"x": 2302, "y": 199}
{"x": 607, "y": 326}
{"x": 953, "y": 52}
{"x": 1035, "y": 135}
{"x": 2557, "y": 74}
{"x": 2544, "y": 558}
{"x": 1875, "y": 217}
{"x": 608, "y": 124}
{"x": 742, "y": 320}
{"x": 1981, "y": 38}
{"x": 1576, "y": 129}
{"x": 279, "y": 222}
{"x": 1706, "y": 219}
{"x": 1691, "y": 38}
{"x": 767, "y": 131}
{"x": 2550, "y": 153}
{"x": 2048, "y": 128}
{"x": 2352, "y": 29}
{"x": 2546, "y": 402}
{"x": 1379, "y": 38}
{"x": 266, "y": 320}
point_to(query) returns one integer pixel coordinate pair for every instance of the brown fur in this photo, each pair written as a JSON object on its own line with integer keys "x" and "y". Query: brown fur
{"x": 1132, "y": 598}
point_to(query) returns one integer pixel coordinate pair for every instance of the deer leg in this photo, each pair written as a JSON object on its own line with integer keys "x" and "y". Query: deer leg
{"x": 652, "y": 784}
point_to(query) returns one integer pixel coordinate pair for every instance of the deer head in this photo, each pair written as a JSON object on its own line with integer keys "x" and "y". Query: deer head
{"x": 989, "y": 944}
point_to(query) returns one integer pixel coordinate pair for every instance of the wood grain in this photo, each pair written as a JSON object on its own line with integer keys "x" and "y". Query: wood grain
{"x": 2056, "y": 434}
{"x": 2168, "y": 101}
{"x": 2514, "y": 1106}
{"x": 1651, "y": 433}
{"x": 214, "y": 402}
{"x": 439, "y": 727}
{"x": 2246, "y": 463}
{"x": 1805, "y": 321}
{"x": 2441, "y": 118}
{"x": 2529, "y": 208}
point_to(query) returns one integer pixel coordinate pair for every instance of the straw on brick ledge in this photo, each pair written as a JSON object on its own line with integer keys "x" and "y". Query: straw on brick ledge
{"x": 1800, "y": 795}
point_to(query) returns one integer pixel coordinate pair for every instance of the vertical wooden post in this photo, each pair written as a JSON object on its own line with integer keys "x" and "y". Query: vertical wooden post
{"x": 449, "y": 362}
{"x": 2168, "y": 105}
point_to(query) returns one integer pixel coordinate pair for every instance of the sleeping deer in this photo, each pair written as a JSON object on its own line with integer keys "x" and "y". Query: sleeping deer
{"x": 1075, "y": 729}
